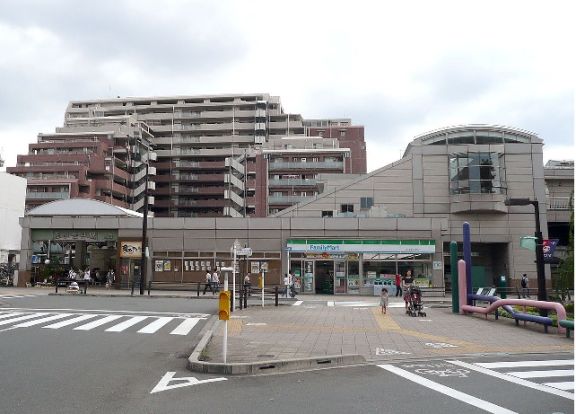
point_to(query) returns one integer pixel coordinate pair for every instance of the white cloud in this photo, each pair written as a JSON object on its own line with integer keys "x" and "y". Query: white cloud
{"x": 399, "y": 68}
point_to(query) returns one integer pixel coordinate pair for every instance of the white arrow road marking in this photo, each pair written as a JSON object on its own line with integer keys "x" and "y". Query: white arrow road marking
{"x": 164, "y": 383}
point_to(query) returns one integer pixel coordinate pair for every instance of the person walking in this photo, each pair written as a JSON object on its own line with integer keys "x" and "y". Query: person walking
{"x": 208, "y": 284}
{"x": 407, "y": 284}
{"x": 286, "y": 283}
{"x": 524, "y": 284}
{"x": 398, "y": 284}
{"x": 215, "y": 281}
{"x": 247, "y": 284}
{"x": 384, "y": 300}
{"x": 110, "y": 278}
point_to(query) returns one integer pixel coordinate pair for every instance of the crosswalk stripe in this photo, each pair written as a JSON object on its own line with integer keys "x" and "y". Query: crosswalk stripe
{"x": 297, "y": 303}
{"x": 451, "y": 392}
{"x": 43, "y": 320}
{"x": 512, "y": 379}
{"x": 569, "y": 385}
{"x": 22, "y": 318}
{"x": 72, "y": 321}
{"x": 519, "y": 364}
{"x": 157, "y": 324}
{"x": 543, "y": 374}
{"x": 99, "y": 322}
{"x": 126, "y": 324}
{"x": 185, "y": 327}
{"x": 11, "y": 296}
{"x": 9, "y": 315}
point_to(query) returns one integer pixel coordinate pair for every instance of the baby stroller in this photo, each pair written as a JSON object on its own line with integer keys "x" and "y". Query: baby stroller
{"x": 415, "y": 307}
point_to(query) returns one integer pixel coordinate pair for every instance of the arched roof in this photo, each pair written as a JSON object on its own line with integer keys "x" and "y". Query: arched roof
{"x": 81, "y": 207}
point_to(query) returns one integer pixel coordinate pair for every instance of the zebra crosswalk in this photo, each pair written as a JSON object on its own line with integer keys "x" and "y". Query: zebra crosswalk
{"x": 17, "y": 296}
{"x": 543, "y": 372}
{"x": 115, "y": 323}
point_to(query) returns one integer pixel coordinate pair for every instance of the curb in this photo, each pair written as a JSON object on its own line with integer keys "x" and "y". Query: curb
{"x": 263, "y": 367}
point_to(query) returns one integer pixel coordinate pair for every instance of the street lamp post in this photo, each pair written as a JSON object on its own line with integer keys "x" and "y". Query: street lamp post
{"x": 539, "y": 245}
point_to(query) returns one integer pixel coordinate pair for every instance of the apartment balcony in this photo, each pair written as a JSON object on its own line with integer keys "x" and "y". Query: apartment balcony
{"x": 193, "y": 152}
{"x": 215, "y": 190}
{"x": 292, "y": 183}
{"x": 291, "y": 166}
{"x": 284, "y": 124}
{"x": 202, "y": 203}
{"x": 199, "y": 165}
{"x": 559, "y": 203}
{"x": 47, "y": 196}
{"x": 200, "y": 178}
{"x": 286, "y": 200}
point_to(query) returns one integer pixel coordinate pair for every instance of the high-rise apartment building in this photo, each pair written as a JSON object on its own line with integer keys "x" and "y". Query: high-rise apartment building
{"x": 92, "y": 158}
{"x": 214, "y": 154}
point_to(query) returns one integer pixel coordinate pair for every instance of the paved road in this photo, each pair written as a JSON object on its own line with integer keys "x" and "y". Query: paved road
{"x": 91, "y": 355}
{"x": 504, "y": 384}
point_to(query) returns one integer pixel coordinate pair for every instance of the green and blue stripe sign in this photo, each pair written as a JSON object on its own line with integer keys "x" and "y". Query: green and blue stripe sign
{"x": 360, "y": 246}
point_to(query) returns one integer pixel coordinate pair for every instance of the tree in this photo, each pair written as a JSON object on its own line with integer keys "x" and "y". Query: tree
{"x": 565, "y": 280}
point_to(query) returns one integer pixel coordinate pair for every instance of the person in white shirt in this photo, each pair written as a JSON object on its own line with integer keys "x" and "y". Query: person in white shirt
{"x": 215, "y": 280}
{"x": 208, "y": 284}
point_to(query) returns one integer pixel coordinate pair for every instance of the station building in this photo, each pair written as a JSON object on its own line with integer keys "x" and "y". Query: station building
{"x": 349, "y": 239}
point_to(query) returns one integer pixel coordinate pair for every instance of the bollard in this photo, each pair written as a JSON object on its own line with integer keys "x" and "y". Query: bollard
{"x": 502, "y": 286}
{"x": 246, "y": 298}
{"x": 149, "y": 286}
{"x": 276, "y": 296}
{"x": 57, "y": 280}
{"x": 198, "y": 289}
{"x": 85, "y": 286}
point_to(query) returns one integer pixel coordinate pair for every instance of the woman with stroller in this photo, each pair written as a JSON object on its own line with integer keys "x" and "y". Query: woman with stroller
{"x": 407, "y": 284}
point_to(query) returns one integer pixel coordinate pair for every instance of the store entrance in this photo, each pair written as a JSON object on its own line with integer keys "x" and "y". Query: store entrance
{"x": 324, "y": 277}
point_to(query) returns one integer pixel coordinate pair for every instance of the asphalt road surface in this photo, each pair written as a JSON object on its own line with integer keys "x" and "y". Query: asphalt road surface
{"x": 128, "y": 355}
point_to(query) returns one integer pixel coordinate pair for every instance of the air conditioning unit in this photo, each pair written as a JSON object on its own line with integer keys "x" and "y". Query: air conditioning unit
{"x": 152, "y": 156}
{"x": 151, "y": 170}
{"x": 151, "y": 185}
{"x": 151, "y": 200}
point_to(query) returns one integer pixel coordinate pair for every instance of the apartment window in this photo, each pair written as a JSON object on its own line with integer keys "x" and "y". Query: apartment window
{"x": 342, "y": 132}
{"x": 366, "y": 202}
{"x": 347, "y": 208}
{"x": 303, "y": 159}
{"x": 327, "y": 213}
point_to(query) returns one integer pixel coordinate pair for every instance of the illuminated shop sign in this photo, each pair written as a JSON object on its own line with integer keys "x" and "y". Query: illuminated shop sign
{"x": 361, "y": 246}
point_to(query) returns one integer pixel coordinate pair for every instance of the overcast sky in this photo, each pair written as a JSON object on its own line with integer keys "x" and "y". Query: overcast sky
{"x": 400, "y": 68}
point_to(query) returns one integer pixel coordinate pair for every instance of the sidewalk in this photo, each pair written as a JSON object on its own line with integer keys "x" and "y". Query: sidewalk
{"x": 316, "y": 334}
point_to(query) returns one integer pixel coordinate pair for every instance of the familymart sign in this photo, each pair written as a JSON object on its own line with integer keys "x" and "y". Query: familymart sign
{"x": 360, "y": 246}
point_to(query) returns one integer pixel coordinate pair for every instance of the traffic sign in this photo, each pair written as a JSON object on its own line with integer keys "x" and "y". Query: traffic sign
{"x": 246, "y": 251}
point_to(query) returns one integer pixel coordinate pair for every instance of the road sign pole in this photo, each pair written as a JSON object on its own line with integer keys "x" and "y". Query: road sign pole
{"x": 262, "y": 288}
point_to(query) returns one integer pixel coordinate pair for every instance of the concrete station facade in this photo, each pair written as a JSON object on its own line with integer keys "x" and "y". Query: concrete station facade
{"x": 346, "y": 240}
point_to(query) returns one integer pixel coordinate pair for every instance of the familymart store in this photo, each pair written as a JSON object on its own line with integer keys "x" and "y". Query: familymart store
{"x": 358, "y": 267}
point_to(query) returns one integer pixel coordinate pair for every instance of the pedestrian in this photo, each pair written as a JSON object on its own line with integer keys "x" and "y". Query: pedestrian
{"x": 110, "y": 277}
{"x": 407, "y": 284}
{"x": 384, "y": 300}
{"x": 87, "y": 277}
{"x": 524, "y": 284}
{"x": 398, "y": 285}
{"x": 215, "y": 280}
{"x": 286, "y": 284}
{"x": 208, "y": 284}
{"x": 247, "y": 284}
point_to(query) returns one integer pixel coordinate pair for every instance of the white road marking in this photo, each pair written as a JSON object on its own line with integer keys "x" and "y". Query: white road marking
{"x": 43, "y": 320}
{"x": 458, "y": 395}
{"x": 126, "y": 324}
{"x": 297, "y": 303}
{"x": 164, "y": 383}
{"x": 330, "y": 304}
{"x": 8, "y": 315}
{"x": 543, "y": 374}
{"x": 519, "y": 364}
{"x": 154, "y": 326}
{"x": 185, "y": 327}
{"x": 22, "y": 318}
{"x": 124, "y": 312}
{"x": 514, "y": 380}
{"x": 569, "y": 385}
{"x": 72, "y": 321}
{"x": 99, "y": 322}
{"x": 256, "y": 324}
